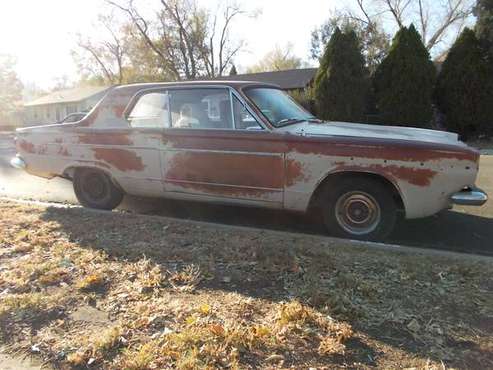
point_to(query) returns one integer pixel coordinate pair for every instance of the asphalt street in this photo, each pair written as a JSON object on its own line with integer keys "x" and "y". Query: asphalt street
{"x": 464, "y": 229}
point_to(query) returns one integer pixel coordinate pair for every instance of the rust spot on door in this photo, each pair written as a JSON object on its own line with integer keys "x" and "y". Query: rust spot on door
{"x": 379, "y": 149}
{"x": 262, "y": 171}
{"x": 122, "y": 159}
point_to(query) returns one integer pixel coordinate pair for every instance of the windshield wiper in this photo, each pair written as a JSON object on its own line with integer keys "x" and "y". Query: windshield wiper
{"x": 288, "y": 121}
{"x": 315, "y": 120}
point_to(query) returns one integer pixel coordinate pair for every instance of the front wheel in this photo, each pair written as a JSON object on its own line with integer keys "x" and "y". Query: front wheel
{"x": 94, "y": 189}
{"x": 360, "y": 208}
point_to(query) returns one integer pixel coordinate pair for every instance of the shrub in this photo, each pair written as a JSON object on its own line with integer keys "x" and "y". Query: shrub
{"x": 304, "y": 98}
{"x": 464, "y": 87}
{"x": 341, "y": 82}
{"x": 403, "y": 83}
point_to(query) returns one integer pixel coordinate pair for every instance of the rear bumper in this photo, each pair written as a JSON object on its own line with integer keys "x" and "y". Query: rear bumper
{"x": 470, "y": 196}
{"x": 18, "y": 162}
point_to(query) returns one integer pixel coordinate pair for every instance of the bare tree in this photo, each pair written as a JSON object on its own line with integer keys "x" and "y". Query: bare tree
{"x": 105, "y": 57}
{"x": 436, "y": 20}
{"x": 278, "y": 59}
{"x": 188, "y": 41}
{"x": 10, "y": 89}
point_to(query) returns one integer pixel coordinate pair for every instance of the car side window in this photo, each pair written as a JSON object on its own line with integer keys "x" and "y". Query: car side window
{"x": 243, "y": 119}
{"x": 150, "y": 111}
{"x": 202, "y": 108}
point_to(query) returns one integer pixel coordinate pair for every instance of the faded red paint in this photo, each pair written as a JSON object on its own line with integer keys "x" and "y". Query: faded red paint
{"x": 265, "y": 142}
{"x": 373, "y": 148}
{"x": 122, "y": 159}
{"x": 26, "y": 146}
{"x": 370, "y": 148}
{"x": 228, "y": 168}
{"x": 414, "y": 176}
{"x": 105, "y": 139}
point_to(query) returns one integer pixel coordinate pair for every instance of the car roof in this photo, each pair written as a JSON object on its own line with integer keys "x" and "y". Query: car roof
{"x": 156, "y": 85}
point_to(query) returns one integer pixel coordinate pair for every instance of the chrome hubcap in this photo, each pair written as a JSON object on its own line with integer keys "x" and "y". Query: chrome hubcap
{"x": 357, "y": 213}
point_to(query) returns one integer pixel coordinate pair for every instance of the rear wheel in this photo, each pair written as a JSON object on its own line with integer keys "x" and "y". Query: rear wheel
{"x": 94, "y": 189}
{"x": 359, "y": 208}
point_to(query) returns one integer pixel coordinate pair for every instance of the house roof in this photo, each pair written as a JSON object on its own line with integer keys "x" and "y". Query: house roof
{"x": 68, "y": 96}
{"x": 287, "y": 80}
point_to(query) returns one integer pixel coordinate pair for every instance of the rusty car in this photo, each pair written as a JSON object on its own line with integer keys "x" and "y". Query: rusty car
{"x": 251, "y": 144}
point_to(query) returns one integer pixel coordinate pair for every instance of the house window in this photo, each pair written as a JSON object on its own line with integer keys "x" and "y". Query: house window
{"x": 71, "y": 109}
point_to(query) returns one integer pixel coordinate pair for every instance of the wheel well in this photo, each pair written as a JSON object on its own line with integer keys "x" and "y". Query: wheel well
{"x": 69, "y": 174}
{"x": 333, "y": 178}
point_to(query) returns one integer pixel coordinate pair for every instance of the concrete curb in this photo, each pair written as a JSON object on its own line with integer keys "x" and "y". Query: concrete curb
{"x": 317, "y": 238}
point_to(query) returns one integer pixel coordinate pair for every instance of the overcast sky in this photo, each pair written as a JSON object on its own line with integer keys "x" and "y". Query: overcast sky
{"x": 41, "y": 33}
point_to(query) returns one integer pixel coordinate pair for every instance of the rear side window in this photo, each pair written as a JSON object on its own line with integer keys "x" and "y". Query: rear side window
{"x": 202, "y": 108}
{"x": 150, "y": 111}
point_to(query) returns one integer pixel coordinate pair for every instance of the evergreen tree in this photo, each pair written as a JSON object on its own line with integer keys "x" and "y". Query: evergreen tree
{"x": 233, "y": 71}
{"x": 464, "y": 87}
{"x": 484, "y": 25}
{"x": 404, "y": 81}
{"x": 341, "y": 82}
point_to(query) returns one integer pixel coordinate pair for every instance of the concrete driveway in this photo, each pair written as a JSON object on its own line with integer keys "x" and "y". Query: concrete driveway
{"x": 466, "y": 229}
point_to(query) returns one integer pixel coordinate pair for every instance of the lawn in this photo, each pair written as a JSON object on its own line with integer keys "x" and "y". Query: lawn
{"x": 123, "y": 291}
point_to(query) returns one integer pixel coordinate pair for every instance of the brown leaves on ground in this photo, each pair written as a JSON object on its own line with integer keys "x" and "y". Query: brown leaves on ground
{"x": 178, "y": 295}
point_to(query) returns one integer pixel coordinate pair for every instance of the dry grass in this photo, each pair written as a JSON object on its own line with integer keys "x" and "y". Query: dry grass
{"x": 189, "y": 297}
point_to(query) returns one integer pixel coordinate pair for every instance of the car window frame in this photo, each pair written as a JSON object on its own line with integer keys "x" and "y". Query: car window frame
{"x": 232, "y": 92}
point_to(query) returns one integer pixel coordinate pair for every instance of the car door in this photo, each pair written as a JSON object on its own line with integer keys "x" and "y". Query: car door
{"x": 215, "y": 148}
{"x": 140, "y": 161}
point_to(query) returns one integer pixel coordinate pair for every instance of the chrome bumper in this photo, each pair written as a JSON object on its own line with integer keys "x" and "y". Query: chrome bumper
{"x": 470, "y": 197}
{"x": 18, "y": 162}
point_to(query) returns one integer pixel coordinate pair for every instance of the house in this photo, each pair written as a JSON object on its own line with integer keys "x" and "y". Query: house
{"x": 290, "y": 80}
{"x": 54, "y": 107}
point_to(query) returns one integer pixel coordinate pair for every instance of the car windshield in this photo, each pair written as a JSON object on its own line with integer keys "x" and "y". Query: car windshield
{"x": 277, "y": 106}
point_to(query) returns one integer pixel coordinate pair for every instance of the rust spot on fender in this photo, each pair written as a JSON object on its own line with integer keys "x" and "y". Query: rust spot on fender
{"x": 415, "y": 176}
{"x": 105, "y": 139}
{"x": 122, "y": 159}
{"x": 295, "y": 172}
{"x": 26, "y": 146}
{"x": 380, "y": 149}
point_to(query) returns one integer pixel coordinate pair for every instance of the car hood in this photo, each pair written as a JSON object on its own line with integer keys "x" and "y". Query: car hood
{"x": 374, "y": 131}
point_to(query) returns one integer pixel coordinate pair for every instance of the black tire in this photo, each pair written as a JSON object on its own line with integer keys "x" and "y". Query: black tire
{"x": 359, "y": 208}
{"x": 94, "y": 189}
